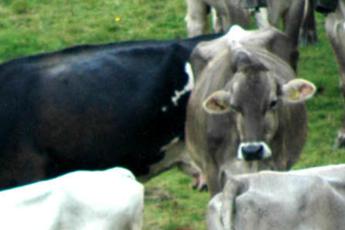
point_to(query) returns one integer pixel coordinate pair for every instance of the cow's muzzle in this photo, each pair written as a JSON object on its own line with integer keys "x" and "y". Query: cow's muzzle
{"x": 252, "y": 151}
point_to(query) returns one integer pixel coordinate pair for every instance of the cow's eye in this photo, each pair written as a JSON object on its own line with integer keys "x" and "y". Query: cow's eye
{"x": 273, "y": 104}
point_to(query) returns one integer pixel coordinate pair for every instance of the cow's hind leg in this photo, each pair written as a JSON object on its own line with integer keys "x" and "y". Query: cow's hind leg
{"x": 340, "y": 140}
{"x": 176, "y": 155}
{"x": 293, "y": 20}
{"x": 196, "y": 17}
{"x": 21, "y": 167}
{"x": 336, "y": 33}
{"x": 308, "y": 34}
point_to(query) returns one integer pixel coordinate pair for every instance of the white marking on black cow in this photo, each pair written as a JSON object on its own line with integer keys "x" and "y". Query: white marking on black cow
{"x": 266, "y": 149}
{"x": 164, "y": 109}
{"x": 187, "y": 88}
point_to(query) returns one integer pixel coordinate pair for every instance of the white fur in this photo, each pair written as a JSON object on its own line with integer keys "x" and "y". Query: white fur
{"x": 81, "y": 200}
{"x": 234, "y": 37}
{"x": 267, "y": 150}
{"x": 262, "y": 18}
{"x": 236, "y": 34}
{"x": 187, "y": 88}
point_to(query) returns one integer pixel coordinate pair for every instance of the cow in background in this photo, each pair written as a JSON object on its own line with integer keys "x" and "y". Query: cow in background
{"x": 80, "y": 200}
{"x": 297, "y": 16}
{"x": 311, "y": 198}
{"x": 95, "y": 107}
{"x": 246, "y": 112}
{"x": 227, "y": 13}
{"x": 336, "y": 33}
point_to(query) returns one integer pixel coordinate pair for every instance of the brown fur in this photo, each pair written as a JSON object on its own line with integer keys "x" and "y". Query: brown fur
{"x": 213, "y": 140}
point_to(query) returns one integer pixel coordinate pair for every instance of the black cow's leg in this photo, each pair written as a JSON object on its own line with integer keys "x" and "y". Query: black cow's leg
{"x": 21, "y": 167}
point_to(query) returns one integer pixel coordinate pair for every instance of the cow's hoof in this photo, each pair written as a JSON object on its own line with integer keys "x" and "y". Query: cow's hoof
{"x": 340, "y": 140}
{"x": 200, "y": 187}
{"x": 308, "y": 38}
{"x": 199, "y": 183}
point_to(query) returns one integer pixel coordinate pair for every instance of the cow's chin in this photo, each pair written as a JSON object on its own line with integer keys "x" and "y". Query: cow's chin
{"x": 243, "y": 167}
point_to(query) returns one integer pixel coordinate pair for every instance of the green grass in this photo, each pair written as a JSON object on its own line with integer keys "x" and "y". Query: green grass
{"x": 33, "y": 26}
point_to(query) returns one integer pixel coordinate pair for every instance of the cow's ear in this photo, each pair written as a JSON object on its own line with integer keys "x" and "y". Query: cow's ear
{"x": 217, "y": 103}
{"x": 298, "y": 90}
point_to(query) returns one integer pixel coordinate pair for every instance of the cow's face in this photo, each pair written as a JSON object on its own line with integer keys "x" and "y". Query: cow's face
{"x": 254, "y": 98}
{"x": 254, "y": 101}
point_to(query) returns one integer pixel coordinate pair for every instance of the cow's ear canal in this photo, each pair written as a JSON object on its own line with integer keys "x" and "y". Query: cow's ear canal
{"x": 217, "y": 103}
{"x": 298, "y": 90}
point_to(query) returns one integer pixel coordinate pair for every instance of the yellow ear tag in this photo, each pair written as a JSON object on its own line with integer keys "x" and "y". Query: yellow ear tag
{"x": 294, "y": 94}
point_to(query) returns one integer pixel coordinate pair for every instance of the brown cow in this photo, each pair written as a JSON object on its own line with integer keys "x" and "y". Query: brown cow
{"x": 246, "y": 112}
{"x": 311, "y": 198}
{"x": 335, "y": 28}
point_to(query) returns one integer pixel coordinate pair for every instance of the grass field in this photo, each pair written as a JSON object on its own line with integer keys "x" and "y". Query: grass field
{"x": 33, "y": 26}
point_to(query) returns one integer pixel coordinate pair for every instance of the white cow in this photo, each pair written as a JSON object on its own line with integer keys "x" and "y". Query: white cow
{"x": 81, "y": 200}
{"x": 301, "y": 200}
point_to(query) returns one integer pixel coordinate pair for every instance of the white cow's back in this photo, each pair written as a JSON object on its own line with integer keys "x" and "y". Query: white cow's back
{"x": 83, "y": 200}
{"x": 304, "y": 199}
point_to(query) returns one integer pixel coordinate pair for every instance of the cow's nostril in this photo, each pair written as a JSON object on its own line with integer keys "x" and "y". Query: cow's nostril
{"x": 252, "y": 152}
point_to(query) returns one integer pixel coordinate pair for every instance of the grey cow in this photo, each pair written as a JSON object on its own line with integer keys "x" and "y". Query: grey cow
{"x": 297, "y": 16}
{"x": 335, "y": 28}
{"x": 246, "y": 112}
{"x": 311, "y": 198}
{"x": 227, "y": 13}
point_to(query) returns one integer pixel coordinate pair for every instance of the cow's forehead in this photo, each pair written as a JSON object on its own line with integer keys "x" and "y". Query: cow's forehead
{"x": 256, "y": 88}
{"x": 253, "y": 80}
{"x": 253, "y": 71}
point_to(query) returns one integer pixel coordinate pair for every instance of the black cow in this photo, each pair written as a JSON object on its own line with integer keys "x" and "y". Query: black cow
{"x": 92, "y": 107}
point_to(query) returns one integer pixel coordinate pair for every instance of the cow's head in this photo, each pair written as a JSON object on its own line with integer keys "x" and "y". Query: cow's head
{"x": 255, "y": 97}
